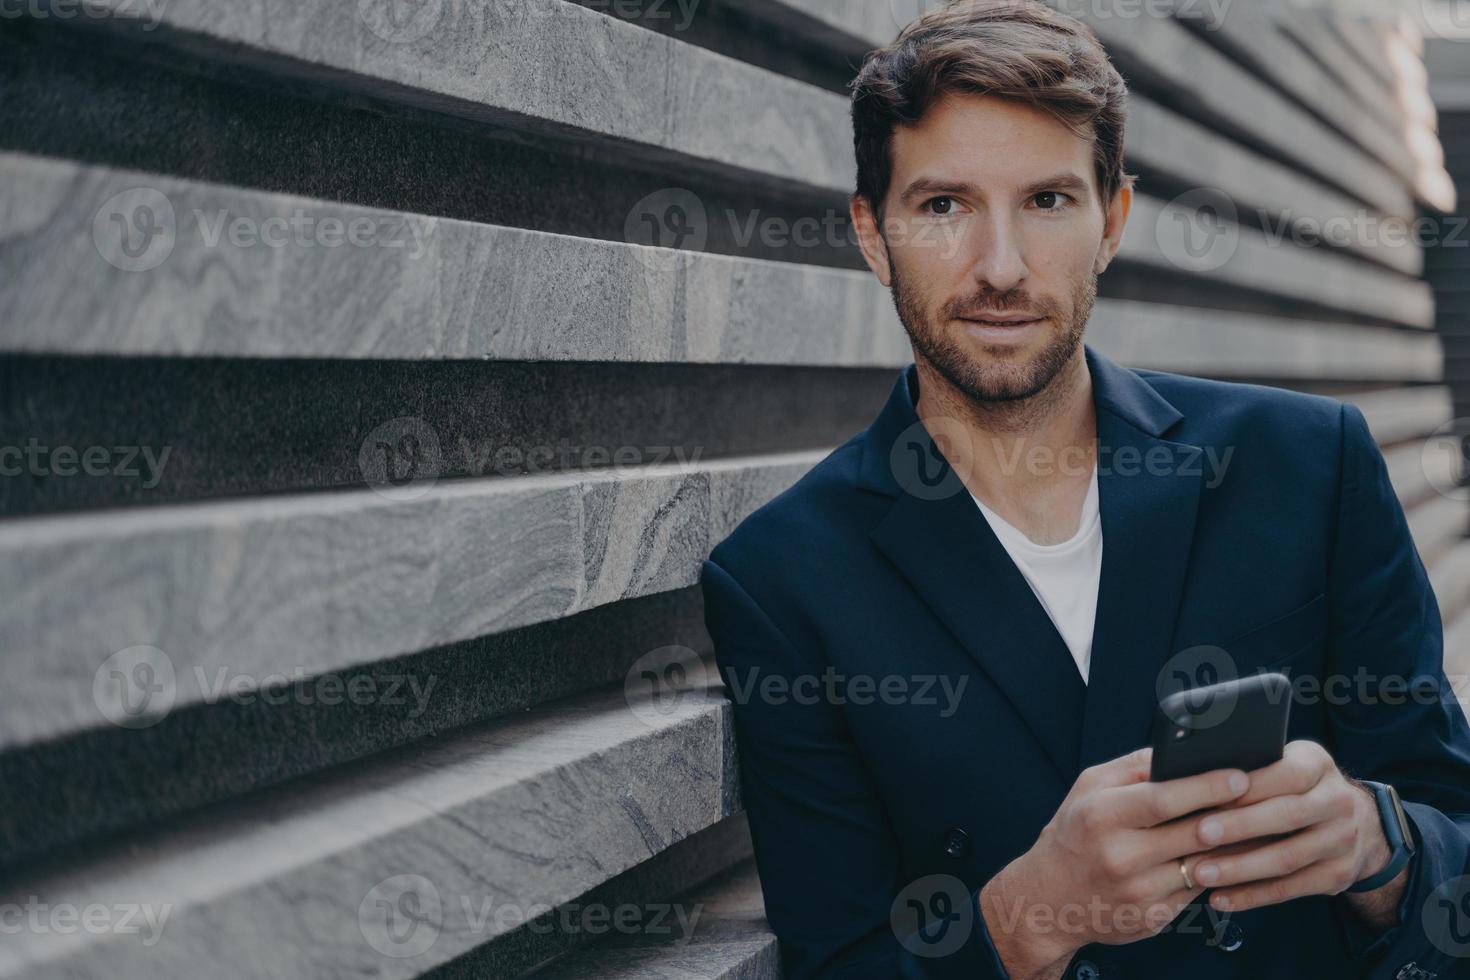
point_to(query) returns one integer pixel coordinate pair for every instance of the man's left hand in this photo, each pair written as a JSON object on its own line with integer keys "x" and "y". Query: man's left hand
{"x": 1324, "y": 834}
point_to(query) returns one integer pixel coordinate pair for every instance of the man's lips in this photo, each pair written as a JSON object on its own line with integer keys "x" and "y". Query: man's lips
{"x": 1004, "y": 319}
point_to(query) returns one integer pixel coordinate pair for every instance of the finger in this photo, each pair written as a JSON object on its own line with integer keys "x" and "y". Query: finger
{"x": 1179, "y": 839}
{"x": 1279, "y": 815}
{"x": 1122, "y": 771}
{"x": 1302, "y": 765}
{"x": 1151, "y": 804}
{"x": 1321, "y": 878}
{"x": 1274, "y": 860}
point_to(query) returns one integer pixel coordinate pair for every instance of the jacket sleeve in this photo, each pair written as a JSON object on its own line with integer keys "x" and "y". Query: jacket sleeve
{"x": 1401, "y": 723}
{"x": 827, "y": 855}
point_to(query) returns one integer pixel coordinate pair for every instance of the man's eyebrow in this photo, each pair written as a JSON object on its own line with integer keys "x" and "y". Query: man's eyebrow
{"x": 1066, "y": 181}
{"x": 1069, "y": 182}
{"x": 935, "y": 185}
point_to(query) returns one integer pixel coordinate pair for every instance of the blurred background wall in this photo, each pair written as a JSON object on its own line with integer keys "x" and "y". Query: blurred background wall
{"x": 379, "y": 372}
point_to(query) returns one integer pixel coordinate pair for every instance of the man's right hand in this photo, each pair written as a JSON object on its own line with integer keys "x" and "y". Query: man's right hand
{"x": 1105, "y": 868}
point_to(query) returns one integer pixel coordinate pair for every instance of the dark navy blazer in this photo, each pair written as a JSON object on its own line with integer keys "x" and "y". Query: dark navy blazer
{"x": 873, "y": 571}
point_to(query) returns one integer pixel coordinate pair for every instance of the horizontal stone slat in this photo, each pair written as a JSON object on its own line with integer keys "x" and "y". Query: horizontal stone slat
{"x": 489, "y": 291}
{"x": 527, "y": 814}
{"x": 453, "y": 289}
{"x": 307, "y": 584}
{"x": 1246, "y": 257}
{"x": 1398, "y": 414}
{"x": 1250, "y": 30}
{"x": 1438, "y": 525}
{"x": 1165, "y": 142}
{"x": 730, "y": 940}
{"x": 537, "y": 64}
{"x": 1222, "y": 343}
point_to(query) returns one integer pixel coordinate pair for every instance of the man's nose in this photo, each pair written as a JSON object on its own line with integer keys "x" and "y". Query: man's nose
{"x": 1000, "y": 260}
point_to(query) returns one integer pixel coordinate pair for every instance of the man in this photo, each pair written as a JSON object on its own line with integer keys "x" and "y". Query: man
{"x": 946, "y": 643}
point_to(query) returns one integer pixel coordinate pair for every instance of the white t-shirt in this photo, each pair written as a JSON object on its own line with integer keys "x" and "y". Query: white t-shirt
{"x": 1064, "y": 576}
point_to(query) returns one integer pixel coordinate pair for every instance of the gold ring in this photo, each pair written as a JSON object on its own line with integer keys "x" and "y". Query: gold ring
{"x": 1188, "y": 881}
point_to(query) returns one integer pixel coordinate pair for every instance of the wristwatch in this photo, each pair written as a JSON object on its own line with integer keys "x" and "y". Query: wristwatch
{"x": 1396, "y": 829}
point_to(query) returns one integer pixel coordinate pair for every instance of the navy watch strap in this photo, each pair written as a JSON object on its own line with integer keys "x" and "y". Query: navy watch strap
{"x": 1400, "y": 840}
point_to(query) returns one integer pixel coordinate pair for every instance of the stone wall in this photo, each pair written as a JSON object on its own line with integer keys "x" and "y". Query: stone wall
{"x": 380, "y": 373}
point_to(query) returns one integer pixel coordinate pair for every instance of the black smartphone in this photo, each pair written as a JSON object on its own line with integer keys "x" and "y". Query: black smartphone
{"x": 1235, "y": 724}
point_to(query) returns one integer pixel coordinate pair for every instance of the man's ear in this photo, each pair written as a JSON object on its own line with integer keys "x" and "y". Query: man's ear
{"x": 870, "y": 240}
{"x": 1117, "y": 221}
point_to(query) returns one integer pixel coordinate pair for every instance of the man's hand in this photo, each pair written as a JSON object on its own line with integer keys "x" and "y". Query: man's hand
{"x": 1105, "y": 868}
{"x": 1327, "y": 835}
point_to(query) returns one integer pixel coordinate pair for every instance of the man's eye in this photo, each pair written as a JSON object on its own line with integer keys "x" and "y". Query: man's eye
{"x": 940, "y": 205}
{"x": 1050, "y": 200}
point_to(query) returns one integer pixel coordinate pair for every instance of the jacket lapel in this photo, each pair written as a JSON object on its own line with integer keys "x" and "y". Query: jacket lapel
{"x": 1148, "y": 519}
{"x": 937, "y": 539}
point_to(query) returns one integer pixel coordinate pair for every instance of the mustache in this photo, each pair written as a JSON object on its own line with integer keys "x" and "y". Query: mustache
{"x": 976, "y": 307}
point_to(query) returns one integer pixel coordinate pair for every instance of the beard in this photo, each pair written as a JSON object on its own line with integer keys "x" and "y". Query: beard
{"x": 1003, "y": 379}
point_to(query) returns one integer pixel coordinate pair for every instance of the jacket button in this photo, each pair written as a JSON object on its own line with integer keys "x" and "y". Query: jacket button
{"x": 1232, "y": 938}
{"x": 1086, "y": 970}
{"x": 956, "y": 843}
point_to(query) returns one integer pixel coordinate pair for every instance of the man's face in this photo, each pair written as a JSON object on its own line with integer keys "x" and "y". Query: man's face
{"x": 993, "y": 237}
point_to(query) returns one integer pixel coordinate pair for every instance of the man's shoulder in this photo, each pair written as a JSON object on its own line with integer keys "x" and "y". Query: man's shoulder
{"x": 1241, "y": 411}
{"x": 807, "y": 520}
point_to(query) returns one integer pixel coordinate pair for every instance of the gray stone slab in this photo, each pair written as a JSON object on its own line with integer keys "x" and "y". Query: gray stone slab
{"x": 63, "y": 793}
{"x": 1192, "y": 70}
{"x": 542, "y": 62}
{"x": 401, "y": 863}
{"x": 651, "y": 898}
{"x": 1399, "y": 414}
{"x": 421, "y": 288}
{"x": 1438, "y": 524}
{"x": 730, "y": 940}
{"x": 1418, "y": 476}
{"x": 304, "y": 585}
{"x": 1168, "y": 237}
{"x": 1166, "y": 143}
{"x": 1309, "y": 28}
{"x": 643, "y": 304}
{"x": 1249, "y": 32}
{"x": 1221, "y": 343}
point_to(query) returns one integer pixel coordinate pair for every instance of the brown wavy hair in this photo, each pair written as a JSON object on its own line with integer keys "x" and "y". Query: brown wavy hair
{"x": 1012, "y": 49}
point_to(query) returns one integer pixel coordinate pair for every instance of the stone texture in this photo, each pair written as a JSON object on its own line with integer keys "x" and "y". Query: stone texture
{"x": 730, "y": 941}
{"x": 331, "y": 581}
{"x": 1313, "y": 275}
{"x": 1168, "y": 145}
{"x": 109, "y": 780}
{"x": 521, "y": 57}
{"x": 525, "y": 813}
{"x": 452, "y": 290}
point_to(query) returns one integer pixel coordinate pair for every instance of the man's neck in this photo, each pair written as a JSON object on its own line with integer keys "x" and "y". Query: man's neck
{"x": 1031, "y": 460}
